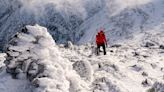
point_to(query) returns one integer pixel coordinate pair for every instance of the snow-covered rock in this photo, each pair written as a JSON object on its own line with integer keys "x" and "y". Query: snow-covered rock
{"x": 104, "y": 84}
{"x": 84, "y": 69}
{"x": 40, "y": 61}
{"x": 157, "y": 87}
{"x": 2, "y": 59}
{"x": 69, "y": 45}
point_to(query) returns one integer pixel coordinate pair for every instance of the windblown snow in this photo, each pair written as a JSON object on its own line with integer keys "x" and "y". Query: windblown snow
{"x": 34, "y": 63}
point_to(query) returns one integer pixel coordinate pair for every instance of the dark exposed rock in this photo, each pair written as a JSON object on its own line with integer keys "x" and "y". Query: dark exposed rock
{"x": 152, "y": 90}
{"x": 145, "y": 56}
{"x": 161, "y": 46}
{"x": 116, "y": 46}
{"x": 111, "y": 51}
{"x": 135, "y": 54}
{"x": 146, "y": 83}
{"x": 115, "y": 67}
{"x": 137, "y": 68}
{"x": 69, "y": 45}
{"x": 162, "y": 69}
{"x": 149, "y": 44}
{"x": 157, "y": 87}
{"x": 153, "y": 65}
{"x": 24, "y": 30}
{"x": 144, "y": 74}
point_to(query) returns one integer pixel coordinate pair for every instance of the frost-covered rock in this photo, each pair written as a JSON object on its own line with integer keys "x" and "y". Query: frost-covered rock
{"x": 104, "y": 84}
{"x": 137, "y": 68}
{"x": 2, "y": 59}
{"x": 157, "y": 87}
{"x": 149, "y": 44}
{"x": 34, "y": 56}
{"x": 108, "y": 67}
{"x": 84, "y": 69}
{"x": 161, "y": 46}
{"x": 146, "y": 82}
{"x": 69, "y": 45}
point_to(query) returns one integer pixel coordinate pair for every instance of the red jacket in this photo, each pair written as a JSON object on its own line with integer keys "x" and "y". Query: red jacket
{"x": 103, "y": 36}
{"x": 100, "y": 38}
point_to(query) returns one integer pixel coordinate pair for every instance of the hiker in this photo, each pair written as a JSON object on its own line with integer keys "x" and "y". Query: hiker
{"x": 101, "y": 42}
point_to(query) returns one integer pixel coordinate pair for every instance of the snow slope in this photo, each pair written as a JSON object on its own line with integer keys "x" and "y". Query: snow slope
{"x": 37, "y": 63}
{"x": 129, "y": 68}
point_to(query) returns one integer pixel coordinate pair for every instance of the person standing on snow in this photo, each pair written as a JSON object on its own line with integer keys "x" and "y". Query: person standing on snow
{"x": 101, "y": 41}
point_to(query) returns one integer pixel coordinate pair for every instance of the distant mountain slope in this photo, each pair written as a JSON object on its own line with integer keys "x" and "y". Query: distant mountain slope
{"x": 125, "y": 23}
{"x": 61, "y": 17}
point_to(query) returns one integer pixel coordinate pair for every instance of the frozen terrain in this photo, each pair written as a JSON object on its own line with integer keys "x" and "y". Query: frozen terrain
{"x": 129, "y": 68}
{"x": 36, "y": 64}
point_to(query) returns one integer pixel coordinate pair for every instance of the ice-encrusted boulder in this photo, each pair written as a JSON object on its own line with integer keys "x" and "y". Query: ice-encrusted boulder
{"x": 157, "y": 87}
{"x": 104, "y": 84}
{"x": 2, "y": 58}
{"x": 84, "y": 69}
{"x": 69, "y": 45}
{"x": 33, "y": 55}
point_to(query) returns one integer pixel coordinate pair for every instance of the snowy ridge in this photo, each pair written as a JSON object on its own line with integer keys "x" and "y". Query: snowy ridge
{"x": 44, "y": 66}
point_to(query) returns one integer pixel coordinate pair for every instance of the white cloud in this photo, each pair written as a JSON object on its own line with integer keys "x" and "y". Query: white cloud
{"x": 38, "y": 6}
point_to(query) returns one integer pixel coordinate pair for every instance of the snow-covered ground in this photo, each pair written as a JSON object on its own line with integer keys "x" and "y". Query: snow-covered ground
{"x": 125, "y": 68}
{"x": 8, "y": 84}
{"x": 39, "y": 65}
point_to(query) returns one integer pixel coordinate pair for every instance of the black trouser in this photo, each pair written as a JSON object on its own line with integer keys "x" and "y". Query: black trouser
{"x": 98, "y": 49}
